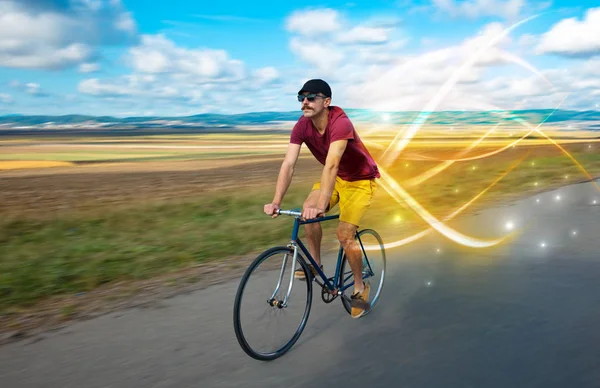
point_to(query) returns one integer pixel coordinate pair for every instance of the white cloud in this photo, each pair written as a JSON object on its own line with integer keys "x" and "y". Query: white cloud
{"x": 47, "y": 58}
{"x": 591, "y": 67}
{"x": 503, "y": 88}
{"x": 94, "y": 87}
{"x": 347, "y": 46}
{"x": 31, "y": 88}
{"x": 571, "y": 37}
{"x": 125, "y": 22}
{"x": 382, "y": 76}
{"x": 157, "y": 54}
{"x": 149, "y": 60}
{"x": 266, "y": 75}
{"x": 197, "y": 78}
{"x": 493, "y": 54}
{"x": 89, "y": 67}
{"x": 6, "y": 98}
{"x": 472, "y": 9}
{"x": 324, "y": 57}
{"x": 412, "y": 82}
{"x": 527, "y": 41}
{"x": 313, "y": 22}
{"x": 361, "y": 34}
{"x": 379, "y": 54}
{"x": 55, "y": 35}
{"x": 531, "y": 91}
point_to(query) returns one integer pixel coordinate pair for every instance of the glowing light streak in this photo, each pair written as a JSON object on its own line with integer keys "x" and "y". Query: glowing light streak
{"x": 520, "y": 61}
{"x": 398, "y": 144}
{"x": 514, "y": 143}
{"x": 425, "y": 232}
{"x": 441, "y": 167}
{"x": 401, "y": 141}
{"x": 399, "y": 194}
{"x": 466, "y": 205}
{"x": 570, "y": 157}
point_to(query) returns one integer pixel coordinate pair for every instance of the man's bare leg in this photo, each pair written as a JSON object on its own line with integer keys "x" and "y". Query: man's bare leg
{"x": 345, "y": 234}
{"x": 314, "y": 232}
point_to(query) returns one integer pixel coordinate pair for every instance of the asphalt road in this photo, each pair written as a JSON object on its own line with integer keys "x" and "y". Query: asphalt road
{"x": 525, "y": 314}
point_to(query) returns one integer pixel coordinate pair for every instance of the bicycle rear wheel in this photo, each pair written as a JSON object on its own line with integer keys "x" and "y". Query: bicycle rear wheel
{"x": 265, "y": 326}
{"x": 374, "y": 263}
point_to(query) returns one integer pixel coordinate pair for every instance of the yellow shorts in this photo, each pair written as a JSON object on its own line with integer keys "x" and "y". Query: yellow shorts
{"x": 353, "y": 197}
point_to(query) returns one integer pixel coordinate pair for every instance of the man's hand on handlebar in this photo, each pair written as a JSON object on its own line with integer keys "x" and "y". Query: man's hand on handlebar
{"x": 271, "y": 210}
{"x": 312, "y": 212}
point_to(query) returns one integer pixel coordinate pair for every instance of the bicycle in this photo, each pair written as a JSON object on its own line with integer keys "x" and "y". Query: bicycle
{"x": 278, "y": 303}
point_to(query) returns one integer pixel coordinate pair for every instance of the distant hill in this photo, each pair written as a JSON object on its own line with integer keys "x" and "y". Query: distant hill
{"x": 267, "y": 118}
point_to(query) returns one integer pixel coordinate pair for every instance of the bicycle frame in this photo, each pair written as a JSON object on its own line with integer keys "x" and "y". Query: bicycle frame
{"x": 296, "y": 243}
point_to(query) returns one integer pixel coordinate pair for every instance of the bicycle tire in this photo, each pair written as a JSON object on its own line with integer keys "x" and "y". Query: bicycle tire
{"x": 381, "y": 269}
{"x": 239, "y": 331}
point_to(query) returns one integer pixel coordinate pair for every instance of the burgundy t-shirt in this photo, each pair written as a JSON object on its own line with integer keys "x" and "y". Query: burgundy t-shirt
{"x": 356, "y": 163}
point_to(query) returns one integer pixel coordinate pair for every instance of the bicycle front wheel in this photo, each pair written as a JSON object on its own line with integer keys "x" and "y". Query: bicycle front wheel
{"x": 374, "y": 263}
{"x": 271, "y": 307}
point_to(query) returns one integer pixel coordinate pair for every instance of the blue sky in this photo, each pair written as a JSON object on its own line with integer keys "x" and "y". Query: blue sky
{"x": 126, "y": 58}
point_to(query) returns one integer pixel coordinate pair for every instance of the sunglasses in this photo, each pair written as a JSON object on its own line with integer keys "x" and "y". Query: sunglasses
{"x": 310, "y": 97}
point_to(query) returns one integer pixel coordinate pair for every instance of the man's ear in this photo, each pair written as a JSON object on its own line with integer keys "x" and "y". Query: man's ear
{"x": 327, "y": 102}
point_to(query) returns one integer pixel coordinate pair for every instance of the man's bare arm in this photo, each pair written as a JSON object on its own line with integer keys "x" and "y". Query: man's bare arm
{"x": 332, "y": 164}
{"x": 286, "y": 172}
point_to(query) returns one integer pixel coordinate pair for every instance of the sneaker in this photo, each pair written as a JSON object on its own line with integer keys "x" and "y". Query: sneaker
{"x": 360, "y": 301}
{"x": 299, "y": 273}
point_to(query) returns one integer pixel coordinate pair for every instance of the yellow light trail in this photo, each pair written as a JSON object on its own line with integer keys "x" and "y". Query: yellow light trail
{"x": 396, "y": 192}
{"x": 447, "y": 163}
{"x": 571, "y": 157}
{"x": 536, "y": 129}
{"x": 521, "y": 121}
{"x": 425, "y": 232}
{"x": 399, "y": 194}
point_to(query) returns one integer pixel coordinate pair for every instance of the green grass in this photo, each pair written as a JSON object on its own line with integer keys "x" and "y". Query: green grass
{"x": 80, "y": 251}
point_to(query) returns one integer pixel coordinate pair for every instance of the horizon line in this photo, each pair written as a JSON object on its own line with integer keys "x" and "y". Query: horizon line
{"x": 298, "y": 112}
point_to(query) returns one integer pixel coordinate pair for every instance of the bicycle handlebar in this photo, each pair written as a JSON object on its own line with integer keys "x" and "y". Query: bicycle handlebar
{"x": 289, "y": 213}
{"x": 297, "y": 213}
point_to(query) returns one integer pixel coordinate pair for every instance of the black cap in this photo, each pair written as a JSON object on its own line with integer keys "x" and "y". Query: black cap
{"x": 316, "y": 86}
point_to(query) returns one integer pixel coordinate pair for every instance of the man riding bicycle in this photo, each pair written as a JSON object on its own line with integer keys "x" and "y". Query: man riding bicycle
{"x": 348, "y": 179}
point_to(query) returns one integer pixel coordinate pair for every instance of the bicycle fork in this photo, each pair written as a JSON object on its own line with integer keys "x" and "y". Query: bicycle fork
{"x": 278, "y": 303}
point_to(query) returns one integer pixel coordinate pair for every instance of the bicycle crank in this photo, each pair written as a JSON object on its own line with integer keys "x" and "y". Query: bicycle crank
{"x": 328, "y": 295}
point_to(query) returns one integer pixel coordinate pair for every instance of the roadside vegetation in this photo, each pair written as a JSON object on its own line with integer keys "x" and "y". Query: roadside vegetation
{"x": 71, "y": 250}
